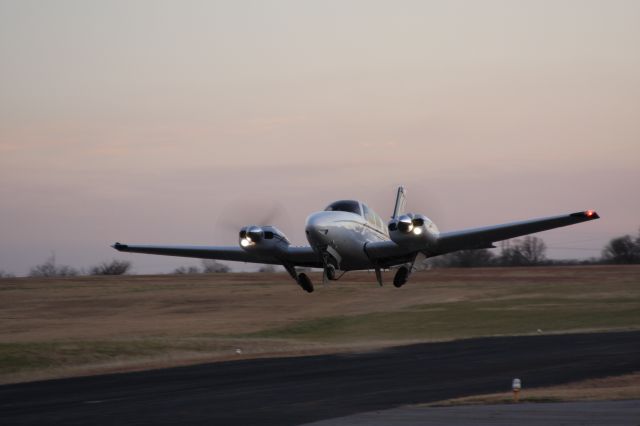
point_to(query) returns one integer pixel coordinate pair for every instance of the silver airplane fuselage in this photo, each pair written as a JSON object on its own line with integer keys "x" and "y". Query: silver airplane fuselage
{"x": 347, "y": 235}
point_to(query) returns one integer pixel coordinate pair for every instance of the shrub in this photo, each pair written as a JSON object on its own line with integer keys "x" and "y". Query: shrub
{"x": 115, "y": 267}
{"x": 51, "y": 269}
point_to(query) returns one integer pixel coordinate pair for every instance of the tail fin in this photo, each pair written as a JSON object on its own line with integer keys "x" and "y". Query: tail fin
{"x": 401, "y": 200}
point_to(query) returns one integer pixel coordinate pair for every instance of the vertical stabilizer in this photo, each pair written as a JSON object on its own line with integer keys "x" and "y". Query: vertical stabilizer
{"x": 401, "y": 200}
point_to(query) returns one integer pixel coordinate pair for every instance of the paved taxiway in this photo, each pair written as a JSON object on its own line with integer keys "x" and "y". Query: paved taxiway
{"x": 291, "y": 391}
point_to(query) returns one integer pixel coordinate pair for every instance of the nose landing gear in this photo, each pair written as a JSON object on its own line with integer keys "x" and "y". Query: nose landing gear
{"x": 331, "y": 261}
{"x": 330, "y": 272}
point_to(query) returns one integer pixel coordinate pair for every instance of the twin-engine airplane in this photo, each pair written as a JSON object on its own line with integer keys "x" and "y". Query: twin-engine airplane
{"x": 348, "y": 235}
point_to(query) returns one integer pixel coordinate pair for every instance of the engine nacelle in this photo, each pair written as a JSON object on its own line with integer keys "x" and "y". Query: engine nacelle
{"x": 412, "y": 229}
{"x": 262, "y": 239}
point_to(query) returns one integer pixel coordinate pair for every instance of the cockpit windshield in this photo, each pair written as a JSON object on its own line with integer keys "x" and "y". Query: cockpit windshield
{"x": 350, "y": 206}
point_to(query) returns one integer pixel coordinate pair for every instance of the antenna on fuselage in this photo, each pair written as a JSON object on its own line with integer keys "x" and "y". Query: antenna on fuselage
{"x": 401, "y": 201}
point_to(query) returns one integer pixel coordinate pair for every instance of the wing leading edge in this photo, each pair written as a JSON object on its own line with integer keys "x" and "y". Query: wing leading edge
{"x": 297, "y": 256}
{"x": 388, "y": 253}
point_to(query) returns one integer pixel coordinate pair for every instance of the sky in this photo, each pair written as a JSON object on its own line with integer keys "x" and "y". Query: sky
{"x": 178, "y": 122}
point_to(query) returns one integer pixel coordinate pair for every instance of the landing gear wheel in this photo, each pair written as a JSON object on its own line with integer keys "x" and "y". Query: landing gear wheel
{"x": 305, "y": 283}
{"x": 401, "y": 277}
{"x": 330, "y": 271}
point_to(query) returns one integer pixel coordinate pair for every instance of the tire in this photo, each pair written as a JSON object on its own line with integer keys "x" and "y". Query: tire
{"x": 401, "y": 277}
{"x": 305, "y": 282}
{"x": 331, "y": 272}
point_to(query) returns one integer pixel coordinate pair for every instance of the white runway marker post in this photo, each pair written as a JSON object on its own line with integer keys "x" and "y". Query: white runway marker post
{"x": 516, "y": 385}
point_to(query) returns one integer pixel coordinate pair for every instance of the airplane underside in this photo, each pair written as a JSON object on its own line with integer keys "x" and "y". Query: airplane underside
{"x": 334, "y": 266}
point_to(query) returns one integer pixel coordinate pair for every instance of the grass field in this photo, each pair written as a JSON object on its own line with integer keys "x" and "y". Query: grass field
{"x": 83, "y": 325}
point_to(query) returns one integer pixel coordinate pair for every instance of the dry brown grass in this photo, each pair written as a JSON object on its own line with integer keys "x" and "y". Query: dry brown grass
{"x": 608, "y": 388}
{"x": 33, "y": 309}
{"x": 56, "y": 327}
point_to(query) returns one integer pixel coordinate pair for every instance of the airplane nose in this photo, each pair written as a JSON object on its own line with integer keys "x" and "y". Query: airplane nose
{"x": 317, "y": 227}
{"x": 316, "y": 221}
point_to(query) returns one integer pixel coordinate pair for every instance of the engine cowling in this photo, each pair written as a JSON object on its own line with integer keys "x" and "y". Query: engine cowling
{"x": 262, "y": 238}
{"x": 412, "y": 229}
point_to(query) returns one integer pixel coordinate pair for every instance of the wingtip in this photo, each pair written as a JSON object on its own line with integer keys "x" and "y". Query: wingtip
{"x": 592, "y": 214}
{"x": 587, "y": 214}
{"x": 119, "y": 246}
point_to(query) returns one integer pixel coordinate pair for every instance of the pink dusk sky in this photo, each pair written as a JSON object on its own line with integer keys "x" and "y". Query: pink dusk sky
{"x": 180, "y": 121}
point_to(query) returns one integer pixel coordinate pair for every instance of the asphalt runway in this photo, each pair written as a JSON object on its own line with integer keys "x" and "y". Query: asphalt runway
{"x": 293, "y": 391}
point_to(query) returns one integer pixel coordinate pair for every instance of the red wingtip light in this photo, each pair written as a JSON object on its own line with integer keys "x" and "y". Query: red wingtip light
{"x": 590, "y": 213}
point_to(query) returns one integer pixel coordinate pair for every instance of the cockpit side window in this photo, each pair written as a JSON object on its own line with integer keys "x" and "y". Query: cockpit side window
{"x": 369, "y": 215}
{"x": 381, "y": 225}
{"x": 373, "y": 218}
{"x": 350, "y": 206}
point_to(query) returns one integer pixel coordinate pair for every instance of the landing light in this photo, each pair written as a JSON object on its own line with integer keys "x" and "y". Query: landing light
{"x": 417, "y": 231}
{"x": 245, "y": 242}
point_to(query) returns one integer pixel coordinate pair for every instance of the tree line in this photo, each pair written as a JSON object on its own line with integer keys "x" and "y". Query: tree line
{"x": 531, "y": 251}
{"x": 50, "y": 268}
{"x": 209, "y": 266}
{"x": 527, "y": 251}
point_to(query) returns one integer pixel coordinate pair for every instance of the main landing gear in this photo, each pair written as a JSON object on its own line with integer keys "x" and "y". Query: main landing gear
{"x": 302, "y": 279}
{"x": 305, "y": 282}
{"x": 401, "y": 276}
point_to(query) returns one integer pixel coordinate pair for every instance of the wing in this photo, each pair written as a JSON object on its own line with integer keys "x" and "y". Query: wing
{"x": 296, "y": 256}
{"x": 388, "y": 253}
{"x": 485, "y": 237}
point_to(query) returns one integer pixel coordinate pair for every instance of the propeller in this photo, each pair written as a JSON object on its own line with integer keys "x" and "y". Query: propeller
{"x": 246, "y": 214}
{"x": 254, "y": 232}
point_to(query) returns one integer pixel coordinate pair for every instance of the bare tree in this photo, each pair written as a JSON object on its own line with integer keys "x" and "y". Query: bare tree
{"x": 4, "y": 274}
{"x": 526, "y": 252}
{"x": 115, "y": 267}
{"x": 212, "y": 266}
{"x": 469, "y": 258}
{"x": 187, "y": 270}
{"x": 51, "y": 269}
{"x": 533, "y": 250}
{"x": 622, "y": 250}
{"x": 267, "y": 268}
